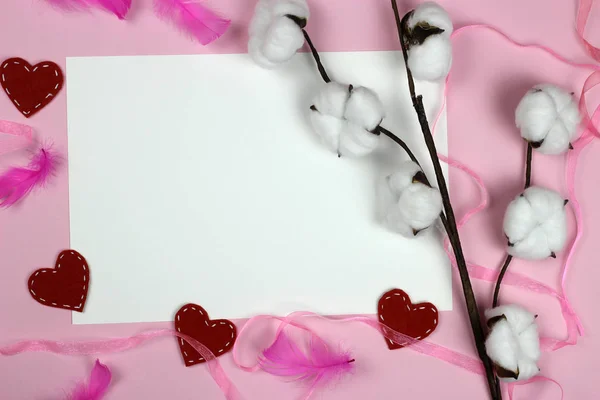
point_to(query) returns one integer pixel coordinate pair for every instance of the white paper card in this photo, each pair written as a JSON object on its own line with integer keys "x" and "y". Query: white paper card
{"x": 198, "y": 179}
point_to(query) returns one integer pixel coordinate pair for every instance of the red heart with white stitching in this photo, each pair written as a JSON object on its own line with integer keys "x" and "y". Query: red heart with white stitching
{"x": 30, "y": 88}
{"x": 217, "y": 335}
{"x": 415, "y": 320}
{"x": 64, "y": 286}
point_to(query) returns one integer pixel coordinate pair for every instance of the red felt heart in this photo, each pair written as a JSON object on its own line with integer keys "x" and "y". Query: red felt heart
{"x": 415, "y": 320}
{"x": 217, "y": 335}
{"x": 65, "y": 285}
{"x": 30, "y": 88}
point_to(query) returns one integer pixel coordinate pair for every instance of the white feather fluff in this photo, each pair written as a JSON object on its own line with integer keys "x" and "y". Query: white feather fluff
{"x": 513, "y": 342}
{"x": 274, "y": 37}
{"x": 535, "y": 224}
{"x": 409, "y": 206}
{"x": 432, "y": 59}
{"x": 344, "y": 117}
{"x": 548, "y": 117}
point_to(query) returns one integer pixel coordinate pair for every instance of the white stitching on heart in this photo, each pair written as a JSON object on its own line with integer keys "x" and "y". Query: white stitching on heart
{"x": 32, "y": 282}
{"x": 200, "y": 359}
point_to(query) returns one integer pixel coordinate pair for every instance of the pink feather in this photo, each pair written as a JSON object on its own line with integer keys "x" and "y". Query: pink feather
{"x": 118, "y": 7}
{"x": 192, "y": 18}
{"x": 319, "y": 365}
{"x": 96, "y": 387}
{"x": 17, "y": 182}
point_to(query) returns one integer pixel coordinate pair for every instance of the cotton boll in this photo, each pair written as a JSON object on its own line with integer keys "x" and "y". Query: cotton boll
{"x": 332, "y": 99}
{"x": 502, "y": 346}
{"x": 275, "y": 31}
{"x": 535, "y": 224}
{"x": 533, "y": 247}
{"x": 519, "y": 318}
{"x": 432, "y": 60}
{"x": 297, "y": 8}
{"x": 282, "y": 40}
{"x": 356, "y": 141}
{"x": 328, "y": 128}
{"x": 343, "y": 117}
{"x": 364, "y": 108}
{"x": 394, "y": 220}
{"x": 261, "y": 19}
{"x": 433, "y": 14}
{"x": 548, "y": 118}
{"x": 430, "y": 50}
{"x": 420, "y": 205}
{"x": 410, "y": 205}
{"x": 530, "y": 336}
{"x": 403, "y": 177}
{"x": 513, "y": 343}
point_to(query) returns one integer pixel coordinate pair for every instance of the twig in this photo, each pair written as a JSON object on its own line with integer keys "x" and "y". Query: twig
{"x": 528, "y": 167}
{"x": 509, "y": 257}
{"x": 316, "y": 56}
{"x": 452, "y": 230}
{"x": 500, "y": 277}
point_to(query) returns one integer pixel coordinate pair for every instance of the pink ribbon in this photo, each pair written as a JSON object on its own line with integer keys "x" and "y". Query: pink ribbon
{"x": 118, "y": 345}
{"x": 583, "y": 14}
{"x": 19, "y": 136}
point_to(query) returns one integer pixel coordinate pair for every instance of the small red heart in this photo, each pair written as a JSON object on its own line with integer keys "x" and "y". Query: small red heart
{"x": 64, "y": 286}
{"x": 415, "y": 320}
{"x": 217, "y": 335}
{"x": 30, "y": 88}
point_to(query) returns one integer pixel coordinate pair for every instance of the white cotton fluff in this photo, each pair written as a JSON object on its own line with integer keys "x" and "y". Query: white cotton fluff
{"x": 274, "y": 37}
{"x": 513, "y": 342}
{"x": 535, "y": 224}
{"x": 432, "y": 59}
{"x": 409, "y": 206}
{"x": 548, "y": 118}
{"x": 345, "y": 116}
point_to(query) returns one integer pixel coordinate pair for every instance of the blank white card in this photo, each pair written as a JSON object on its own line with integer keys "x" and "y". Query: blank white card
{"x": 198, "y": 179}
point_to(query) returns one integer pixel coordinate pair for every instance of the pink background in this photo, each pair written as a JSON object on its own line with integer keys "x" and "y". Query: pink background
{"x": 489, "y": 78}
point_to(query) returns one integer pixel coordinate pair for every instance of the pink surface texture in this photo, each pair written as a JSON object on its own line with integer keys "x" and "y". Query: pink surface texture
{"x": 489, "y": 77}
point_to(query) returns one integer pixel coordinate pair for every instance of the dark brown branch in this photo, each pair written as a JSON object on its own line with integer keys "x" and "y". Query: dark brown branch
{"x": 400, "y": 142}
{"x": 316, "y": 56}
{"x": 500, "y": 277}
{"x": 452, "y": 230}
{"x": 528, "y": 165}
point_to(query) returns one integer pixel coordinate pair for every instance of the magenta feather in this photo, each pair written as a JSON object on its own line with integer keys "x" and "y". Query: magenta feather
{"x": 118, "y": 7}
{"x": 97, "y": 385}
{"x": 193, "y": 18}
{"x": 318, "y": 365}
{"x": 17, "y": 182}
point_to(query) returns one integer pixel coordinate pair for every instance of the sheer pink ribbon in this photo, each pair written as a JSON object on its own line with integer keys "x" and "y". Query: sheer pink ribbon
{"x": 116, "y": 345}
{"x": 583, "y": 13}
{"x": 22, "y": 133}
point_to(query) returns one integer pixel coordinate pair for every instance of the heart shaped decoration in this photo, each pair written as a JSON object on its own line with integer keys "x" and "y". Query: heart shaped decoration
{"x": 217, "y": 335}
{"x": 30, "y": 88}
{"x": 64, "y": 286}
{"x": 415, "y": 320}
